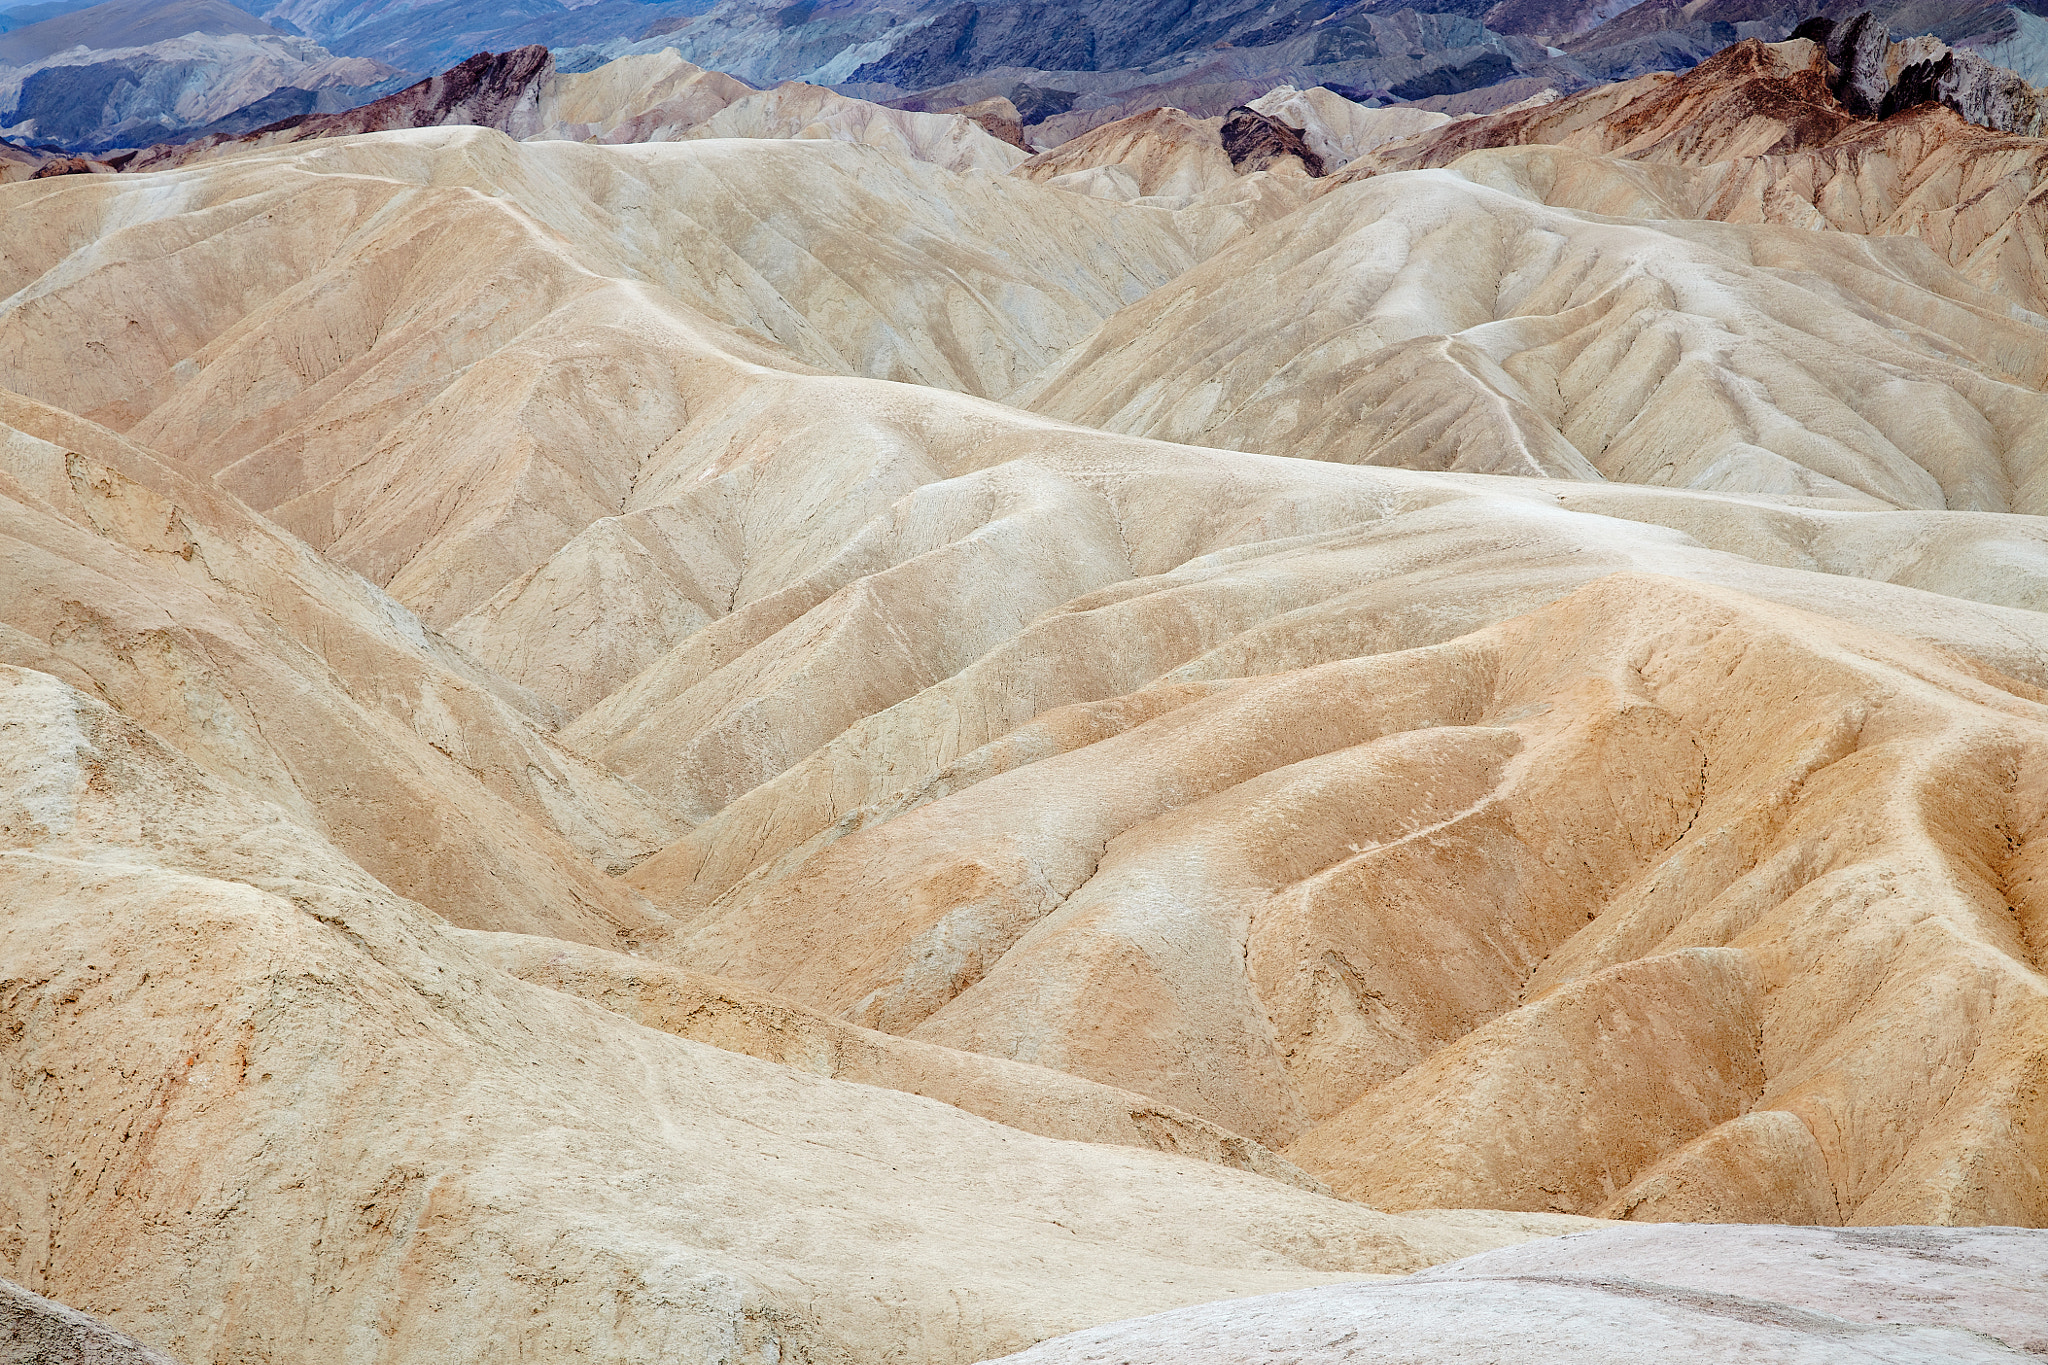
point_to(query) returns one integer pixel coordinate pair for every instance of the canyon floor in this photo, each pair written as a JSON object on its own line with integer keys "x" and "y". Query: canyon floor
{"x": 759, "y": 728}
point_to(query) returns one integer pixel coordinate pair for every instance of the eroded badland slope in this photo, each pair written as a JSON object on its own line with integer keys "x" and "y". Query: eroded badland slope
{"x": 779, "y": 744}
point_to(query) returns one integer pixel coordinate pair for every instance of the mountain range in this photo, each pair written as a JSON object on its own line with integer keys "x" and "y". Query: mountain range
{"x": 127, "y": 73}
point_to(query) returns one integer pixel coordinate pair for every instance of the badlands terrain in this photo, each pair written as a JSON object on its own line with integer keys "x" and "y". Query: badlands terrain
{"x": 648, "y": 720}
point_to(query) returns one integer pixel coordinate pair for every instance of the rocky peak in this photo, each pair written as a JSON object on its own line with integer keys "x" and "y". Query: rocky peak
{"x": 1987, "y": 95}
{"x": 1256, "y": 141}
{"x": 1856, "y": 49}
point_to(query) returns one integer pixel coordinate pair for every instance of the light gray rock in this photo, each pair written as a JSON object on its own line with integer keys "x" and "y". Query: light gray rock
{"x": 39, "y": 1331}
{"x": 1703, "y": 1294}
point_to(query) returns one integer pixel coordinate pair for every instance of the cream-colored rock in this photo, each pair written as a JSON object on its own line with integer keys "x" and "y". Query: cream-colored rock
{"x": 1427, "y": 321}
{"x": 1165, "y": 153}
{"x": 1662, "y": 851}
{"x": 1753, "y": 135}
{"x": 1340, "y": 130}
{"x": 300, "y": 684}
{"x": 662, "y": 98}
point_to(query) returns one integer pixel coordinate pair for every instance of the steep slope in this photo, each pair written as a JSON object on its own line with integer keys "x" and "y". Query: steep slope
{"x": 301, "y": 685}
{"x": 723, "y": 1014}
{"x": 567, "y": 293}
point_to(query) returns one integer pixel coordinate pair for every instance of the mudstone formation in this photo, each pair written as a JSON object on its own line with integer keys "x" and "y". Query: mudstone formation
{"x": 643, "y": 718}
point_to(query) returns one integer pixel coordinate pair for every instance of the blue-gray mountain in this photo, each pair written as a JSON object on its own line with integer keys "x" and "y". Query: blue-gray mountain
{"x": 133, "y": 72}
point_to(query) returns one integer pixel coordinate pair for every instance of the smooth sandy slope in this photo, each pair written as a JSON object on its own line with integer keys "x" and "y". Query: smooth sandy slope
{"x": 981, "y": 839}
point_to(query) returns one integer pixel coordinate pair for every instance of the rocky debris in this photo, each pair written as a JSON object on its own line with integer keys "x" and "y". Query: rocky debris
{"x": 1712, "y": 1295}
{"x": 1256, "y": 142}
{"x": 72, "y": 165}
{"x": 1856, "y": 49}
{"x": 39, "y": 1331}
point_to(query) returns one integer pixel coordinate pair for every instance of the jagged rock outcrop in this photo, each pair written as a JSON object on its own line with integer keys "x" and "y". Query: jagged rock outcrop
{"x": 1754, "y": 135}
{"x": 1856, "y": 49}
{"x": 500, "y": 90}
{"x": 998, "y": 118}
{"x": 1159, "y": 153}
{"x": 1340, "y": 130}
{"x": 1255, "y": 142}
{"x": 1988, "y": 96}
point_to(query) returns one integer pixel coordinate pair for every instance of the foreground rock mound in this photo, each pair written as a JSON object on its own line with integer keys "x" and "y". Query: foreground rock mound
{"x": 38, "y": 1331}
{"x": 1720, "y": 1296}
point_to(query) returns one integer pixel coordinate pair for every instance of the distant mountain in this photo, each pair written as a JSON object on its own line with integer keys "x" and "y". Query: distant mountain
{"x": 134, "y": 72}
{"x": 1066, "y": 66}
{"x": 432, "y": 35}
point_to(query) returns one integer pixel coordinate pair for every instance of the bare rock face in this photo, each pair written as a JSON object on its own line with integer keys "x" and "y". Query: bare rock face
{"x": 498, "y": 90}
{"x": 1256, "y": 142}
{"x": 39, "y": 1331}
{"x": 1856, "y": 49}
{"x": 1989, "y": 96}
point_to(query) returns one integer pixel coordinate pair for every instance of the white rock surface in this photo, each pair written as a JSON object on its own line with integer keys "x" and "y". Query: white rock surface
{"x": 1711, "y": 1295}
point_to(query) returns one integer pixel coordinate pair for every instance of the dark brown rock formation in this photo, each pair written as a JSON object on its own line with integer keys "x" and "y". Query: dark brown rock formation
{"x": 72, "y": 165}
{"x": 491, "y": 90}
{"x": 1256, "y": 142}
{"x": 498, "y": 90}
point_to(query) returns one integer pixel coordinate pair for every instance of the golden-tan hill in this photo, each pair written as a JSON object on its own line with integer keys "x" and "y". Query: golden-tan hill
{"x": 260, "y": 1107}
{"x": 1456, "y": 320}
{"x": 576, "y": 781}
{"x": 1755, "y": 136}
